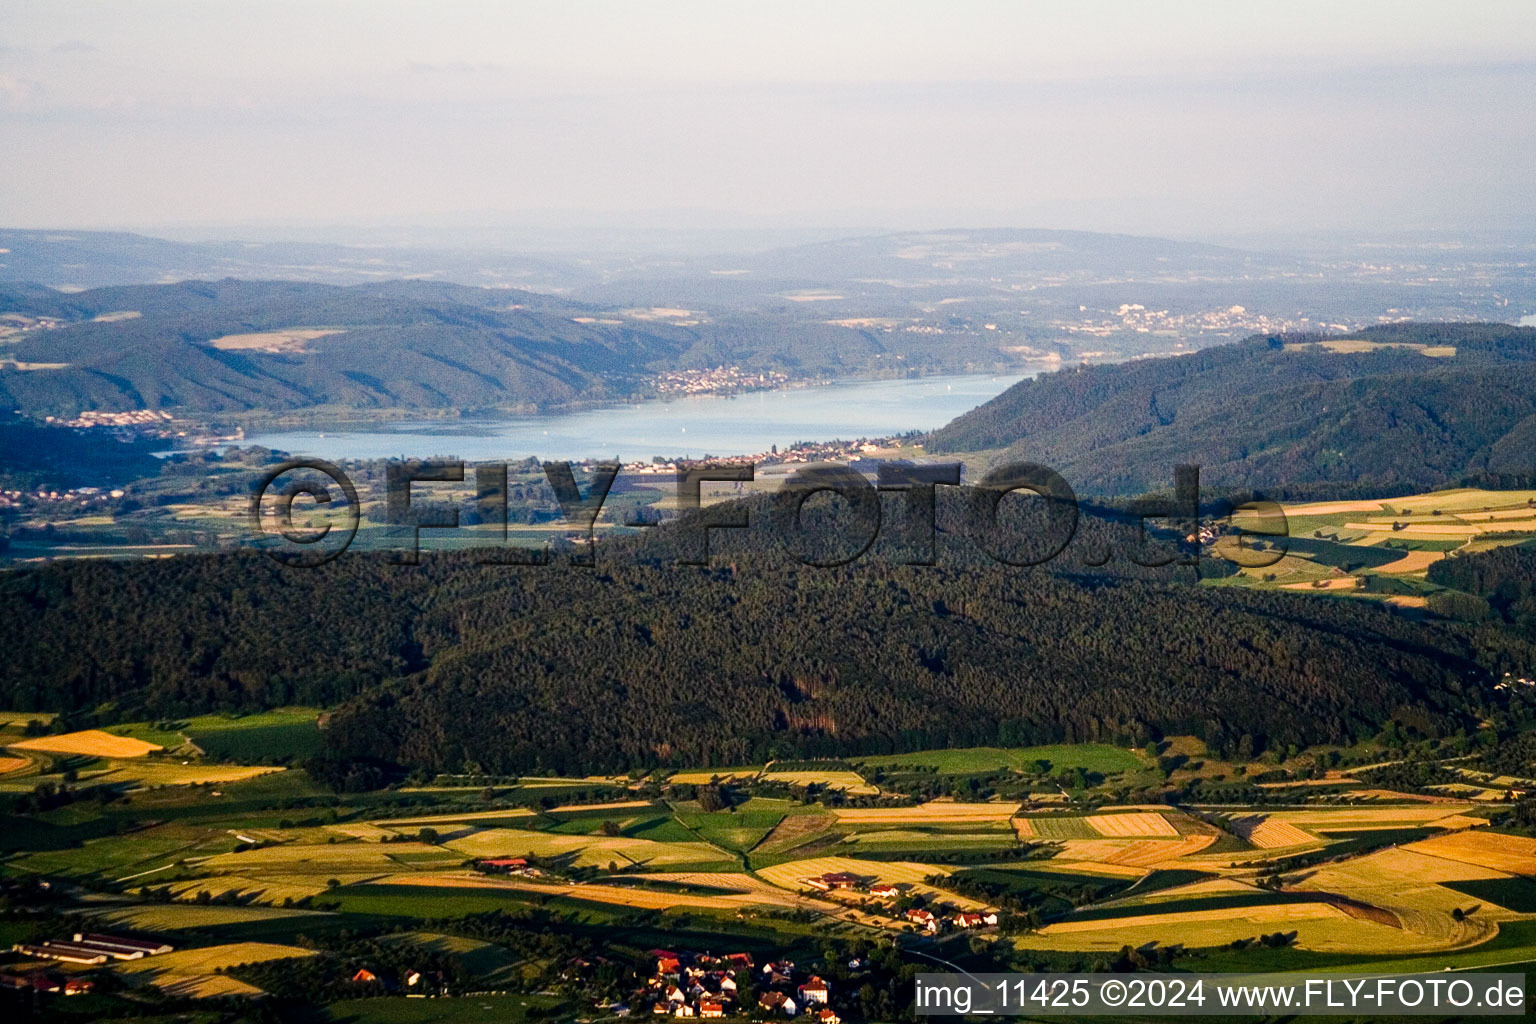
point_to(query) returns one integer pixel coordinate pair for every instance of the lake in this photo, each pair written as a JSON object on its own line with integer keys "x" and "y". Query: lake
{"x": 686, "y": 427}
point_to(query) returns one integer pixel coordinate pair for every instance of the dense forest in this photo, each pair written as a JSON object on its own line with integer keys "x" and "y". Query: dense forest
{"x": 455, "y": 664}
{"x": 33, "y": 455}
{"x": 1504, "y": 577}
{"x": 1276, "y": 412}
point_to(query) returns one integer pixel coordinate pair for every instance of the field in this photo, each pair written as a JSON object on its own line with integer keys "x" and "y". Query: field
{"x": 848, "y": 781}
{"x": 739, "y": 829}
{"x": 90, "y": 743}
{"x": 794, "y": 831}
{"x": 930, "y": 814}
{"x": 463, "y": 818}
{"x": 172, "y": 917}
{"x": 1356, "y": 345}
{"x": 289, "y": 341}
{"x": 747, "y": 894}
{"x": 1515, "y": 855}
{"x": 1091, "y": 757}
{"x": 1318, "y": 926}
{"x": 1269, "y": 834}
{"x": 268, "y": 737}
{"x": 1056, "y": 828}
{"x": 1139, "y": 823}
{"x": 701, "y": 778}
{"x": 191, "y": 972}
{"x": 1381, "y": 550}
{"x": 1138, "y": 853}
{"x": 171, "y": 773}
{"x": 273, "y": 857}
{"x": 584, "y": 851}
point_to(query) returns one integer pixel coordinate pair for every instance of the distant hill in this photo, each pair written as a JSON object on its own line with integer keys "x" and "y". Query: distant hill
{"x": 187, "y": 347}
{"x": 1393, "y": 409}
{"x": 231, "y": 346}
{"x": 95, "y": 259}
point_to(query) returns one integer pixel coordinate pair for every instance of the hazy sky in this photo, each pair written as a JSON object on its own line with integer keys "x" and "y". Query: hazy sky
{"x": 1176, "y": 118}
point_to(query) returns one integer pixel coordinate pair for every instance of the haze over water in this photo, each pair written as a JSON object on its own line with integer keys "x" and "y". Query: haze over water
{"x": 686, "y": 427}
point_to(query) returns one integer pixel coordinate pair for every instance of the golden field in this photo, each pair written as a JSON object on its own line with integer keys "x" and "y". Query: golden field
{"x": 88, "y": 742}
{"x": 190, "y": 972}
{"x": 1137, "y": 823}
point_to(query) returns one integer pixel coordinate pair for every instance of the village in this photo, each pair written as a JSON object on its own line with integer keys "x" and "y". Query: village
{"x": 932, "y": 918}
{"x": 701, "y": 985}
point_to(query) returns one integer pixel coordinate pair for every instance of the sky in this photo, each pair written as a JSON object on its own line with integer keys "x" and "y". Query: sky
{"x": 1192, "y": 119}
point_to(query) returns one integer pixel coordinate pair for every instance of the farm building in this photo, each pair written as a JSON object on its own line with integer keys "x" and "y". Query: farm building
{"x": 65, "y": 952}
{"x": 966, "y": 919}
{"x": 836, "y": 880}
{"x": 144, "y": 947}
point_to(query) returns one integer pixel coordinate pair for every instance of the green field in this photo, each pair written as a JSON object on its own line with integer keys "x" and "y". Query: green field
{"x": 740, "y": 828}
{"x": 1091, "y": 757}
{"x": 283, "y": 735}
{"x": 1517, "y": 894}
{"x": 1063, "y": 828}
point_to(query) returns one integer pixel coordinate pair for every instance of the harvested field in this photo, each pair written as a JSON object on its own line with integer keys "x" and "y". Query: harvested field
{"x": 921, "y": 843}
{"x": 1413, "y": 561}
{"x": 1066, "y": 866}
{"x": 287, "y": 341}
{"x": 1268, "y": 914}
{"x": 1515, "y": 855}
{"x": 1139, "y": 823}
{"x": 1392, "y": 794}
{"x": 1404, "y": 882}
{"x": 190, "y": 972}
{"x": 90, "y": 743}
{"x": 847, "y": 781}
{"x": 449, "y": 819}
{"x": 704, "y": 778}
{"x": 163, "y": 773}
{"x": 11, "y": 764}
{"x": 1334, "y": 818}
{"x": 1147, "y": 852}
{"x": 621, "y": 895}
{"x": 735, "y": 881}
{"x": 1336, "y": 583}
{"x": 362, "y": 830}
{"x": 588, "y": 851}
{"x": 939, "y": 812}
{"x": 1332, "y": 508}
{"x": 315, "y": 858}
{"x": 1269, "y": 834}
{"x": 1331, "y": 931}
{"x": 177, "y": 916}
{"x": 616, "y": 805}
{"x": 265, "y": 890}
